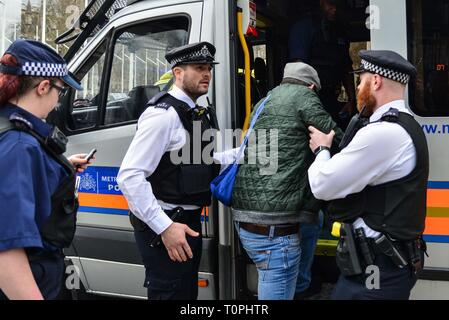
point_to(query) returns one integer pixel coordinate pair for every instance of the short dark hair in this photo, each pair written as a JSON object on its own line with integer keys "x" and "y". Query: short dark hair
{"x": 182, "y": 66}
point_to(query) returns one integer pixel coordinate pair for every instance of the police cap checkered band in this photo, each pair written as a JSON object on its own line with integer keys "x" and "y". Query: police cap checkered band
{"x": 38, "y": 69}
{"x": 385, "y": 72}
{"x": 201, "y": 52}
{"x": 196, "y": 55}
{"x": 388, "y": 64}
{"x": 36, "y": 59}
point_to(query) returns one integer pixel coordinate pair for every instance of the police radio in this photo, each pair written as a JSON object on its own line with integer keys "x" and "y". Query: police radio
{"x": 56, "y": 140}
{"x": 357, "y": 122}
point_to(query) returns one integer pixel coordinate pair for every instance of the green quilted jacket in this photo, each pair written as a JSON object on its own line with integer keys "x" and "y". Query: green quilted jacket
{"x": 272, "y": 183}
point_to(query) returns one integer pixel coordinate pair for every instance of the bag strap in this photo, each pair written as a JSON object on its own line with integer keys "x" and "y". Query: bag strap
{"x": 253, "y": 122}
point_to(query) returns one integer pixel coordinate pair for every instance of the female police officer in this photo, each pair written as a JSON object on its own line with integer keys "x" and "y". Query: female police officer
{"x": 37, "y": 186}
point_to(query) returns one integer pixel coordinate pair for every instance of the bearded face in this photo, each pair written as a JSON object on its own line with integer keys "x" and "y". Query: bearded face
{"x": 365, "y": 96}
{"x": 195, "y": 81}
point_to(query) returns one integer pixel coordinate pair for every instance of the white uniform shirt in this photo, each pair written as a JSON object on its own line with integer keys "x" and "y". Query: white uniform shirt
{"x": 160, "y": 131}
{"x": 380, "y": 152}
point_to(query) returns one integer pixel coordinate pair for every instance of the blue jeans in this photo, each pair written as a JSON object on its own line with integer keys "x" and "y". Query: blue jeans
{"x": 309, "y": 238}
{"x": 277, "y": 261}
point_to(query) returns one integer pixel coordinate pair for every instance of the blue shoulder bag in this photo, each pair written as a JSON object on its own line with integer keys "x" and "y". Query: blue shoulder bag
{"x": 222, "y": 186}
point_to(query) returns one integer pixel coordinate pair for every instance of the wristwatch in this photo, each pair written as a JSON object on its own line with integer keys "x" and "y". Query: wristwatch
{"x": 320, "y": 148}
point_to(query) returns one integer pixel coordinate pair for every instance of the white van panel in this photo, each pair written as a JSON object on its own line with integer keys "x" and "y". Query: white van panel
{"x": 430, "y": 290}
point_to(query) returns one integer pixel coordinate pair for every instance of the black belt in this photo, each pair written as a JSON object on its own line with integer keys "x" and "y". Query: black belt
{"x": 279, "y": 230}
{"x": 401, "y": 257}
{"x": 400, "y": 246}
{"x": 194, "y": 211}
{"x": 185, "y": 216}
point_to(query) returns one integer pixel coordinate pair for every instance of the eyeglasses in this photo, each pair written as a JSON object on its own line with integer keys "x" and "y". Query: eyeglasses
{"x": 62, "y": 90}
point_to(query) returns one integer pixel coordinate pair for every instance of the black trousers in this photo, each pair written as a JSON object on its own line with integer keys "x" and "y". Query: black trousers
{"x": 164, "y": 278}
{"x": 394, "y": 284}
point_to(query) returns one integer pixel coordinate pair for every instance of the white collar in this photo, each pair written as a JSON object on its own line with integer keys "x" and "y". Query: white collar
{"x": 397, "y": 104}
{"x": 181, "y": 95}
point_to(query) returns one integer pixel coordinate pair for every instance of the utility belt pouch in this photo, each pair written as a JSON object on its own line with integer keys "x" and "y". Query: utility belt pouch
{"x": 346, "y": 255}
{"x": 385, "y": 246}
{"x": 365, "y": 250}
{"x": 415, "y": 251}
{"x": 137, "y": 224}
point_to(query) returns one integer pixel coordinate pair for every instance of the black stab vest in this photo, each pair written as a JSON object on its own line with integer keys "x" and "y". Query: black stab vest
{"x": 184, "y": 183}
{"x": 59, "y": 228}
{"x": 398, "y": 207}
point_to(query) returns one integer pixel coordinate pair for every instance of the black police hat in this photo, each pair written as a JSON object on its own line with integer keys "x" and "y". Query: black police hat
{"x": 386, "y": 63}
{"x": 195, "y": 53}
{"x": 37, "y": 59}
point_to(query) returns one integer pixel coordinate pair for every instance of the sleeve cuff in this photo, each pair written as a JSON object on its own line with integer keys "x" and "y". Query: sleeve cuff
{"x": 160, "y": 222}
{"x": 323, "y": 156}
{"x": 226, "y": 157}
{"x": 27, "y": 242}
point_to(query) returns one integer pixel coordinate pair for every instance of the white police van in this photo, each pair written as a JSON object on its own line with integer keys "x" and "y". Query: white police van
{"x": 117, "y": 52}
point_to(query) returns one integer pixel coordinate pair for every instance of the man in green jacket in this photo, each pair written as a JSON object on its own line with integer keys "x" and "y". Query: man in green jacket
{"x": 268, "y": 205}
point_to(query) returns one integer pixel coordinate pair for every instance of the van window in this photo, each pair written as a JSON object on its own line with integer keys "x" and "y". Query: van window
{"x": 85, "y": 106}
{"x": 139, "y": 66}
{"x": 428, "y": 47}
{"x": 138, "y": 71}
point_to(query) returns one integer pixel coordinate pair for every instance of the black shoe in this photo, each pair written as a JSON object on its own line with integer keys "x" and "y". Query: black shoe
{"x": 309, "y": 292}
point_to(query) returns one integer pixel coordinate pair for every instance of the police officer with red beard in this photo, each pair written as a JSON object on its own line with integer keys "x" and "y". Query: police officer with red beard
{"x": 377, "y": 185}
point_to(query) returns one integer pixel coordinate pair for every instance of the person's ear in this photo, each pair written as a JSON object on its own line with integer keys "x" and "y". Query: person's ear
{"x": 377, "y": 82}
{"x": 312, "y": 87}
{"x": 177, "y": 72}
{"x": 43, "y": 87}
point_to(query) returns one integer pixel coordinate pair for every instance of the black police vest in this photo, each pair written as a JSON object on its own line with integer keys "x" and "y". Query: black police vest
{"x": 184, "y": 183}
{"x": 398, "y": 207}
{"x": 59, "y": 228}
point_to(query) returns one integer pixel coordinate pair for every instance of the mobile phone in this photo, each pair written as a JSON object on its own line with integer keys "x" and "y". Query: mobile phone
{"x": 90, "y": 155}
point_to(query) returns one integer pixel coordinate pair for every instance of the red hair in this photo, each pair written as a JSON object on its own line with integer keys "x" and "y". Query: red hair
{"x": 9, "y": 83}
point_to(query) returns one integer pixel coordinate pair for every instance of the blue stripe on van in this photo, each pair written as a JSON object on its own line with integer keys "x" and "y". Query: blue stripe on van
{"x": 104, "y": 210}
{"x": 436, "y": 238}
{"x": 438, "y": 185}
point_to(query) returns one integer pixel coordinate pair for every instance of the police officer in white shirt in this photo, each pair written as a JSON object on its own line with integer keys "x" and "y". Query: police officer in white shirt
{"x": 377, "y": 183}
{"x": 166, "y": 180}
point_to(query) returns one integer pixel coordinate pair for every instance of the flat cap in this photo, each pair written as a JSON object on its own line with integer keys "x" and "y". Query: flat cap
{"x": 303, "y": 72}
{"x": 194, "y": 53}
{"x": 386, "y": 63}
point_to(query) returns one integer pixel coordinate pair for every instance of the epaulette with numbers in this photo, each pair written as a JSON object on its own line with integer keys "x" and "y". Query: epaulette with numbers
{"x": 156, "y": 103}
